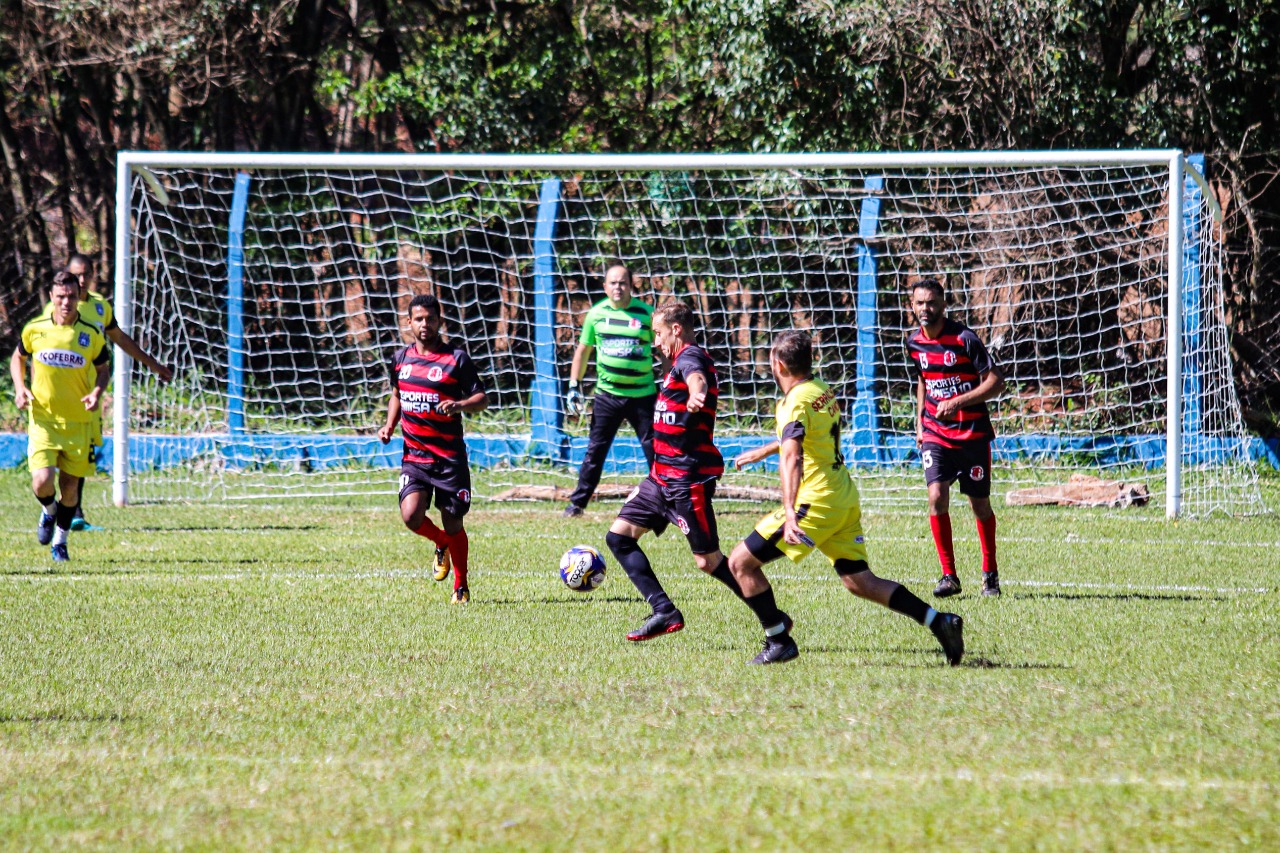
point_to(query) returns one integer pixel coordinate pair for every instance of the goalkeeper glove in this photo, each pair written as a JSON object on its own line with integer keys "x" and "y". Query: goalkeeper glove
{"x": 574, "y": 402}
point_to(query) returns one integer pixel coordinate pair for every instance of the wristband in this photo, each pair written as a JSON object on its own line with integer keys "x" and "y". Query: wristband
{"x": 573, "y": 384}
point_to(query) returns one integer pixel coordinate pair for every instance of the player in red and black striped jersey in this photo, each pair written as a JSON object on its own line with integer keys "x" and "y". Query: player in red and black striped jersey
{"x": 684, "y": 417}
{"x": 682, "y": 483}
{"x": 955, "y": 379}
{"x": 432, "y": 384}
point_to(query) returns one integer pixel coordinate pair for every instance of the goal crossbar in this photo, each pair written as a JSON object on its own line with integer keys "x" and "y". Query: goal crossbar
{"x": 147, "y": 164}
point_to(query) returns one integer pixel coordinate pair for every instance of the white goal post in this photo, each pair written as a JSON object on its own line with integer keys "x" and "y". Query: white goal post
{"x": 276, "y": 285}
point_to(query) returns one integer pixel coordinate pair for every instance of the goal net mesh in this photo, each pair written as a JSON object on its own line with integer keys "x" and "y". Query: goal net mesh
{"x": 1062, "y": 271}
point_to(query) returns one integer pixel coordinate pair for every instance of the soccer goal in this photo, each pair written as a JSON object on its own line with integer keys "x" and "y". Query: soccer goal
{"x": 277, "y": 285}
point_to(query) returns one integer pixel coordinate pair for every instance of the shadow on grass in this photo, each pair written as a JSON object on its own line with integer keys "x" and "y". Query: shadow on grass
{"x": 579, "y": 600}
{"x": 970, "y": 661}
{"x": 57, "y": 717}
{"x": 1118, "y": 596}
{"x": 979, "y": 662}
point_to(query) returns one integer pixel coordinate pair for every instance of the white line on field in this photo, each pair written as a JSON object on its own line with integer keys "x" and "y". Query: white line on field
{"x": 923, "y": 538}
{"x": 1069, "y": 539}
{"x": 124, "y": 574}
{"x": 1035, "y": 779}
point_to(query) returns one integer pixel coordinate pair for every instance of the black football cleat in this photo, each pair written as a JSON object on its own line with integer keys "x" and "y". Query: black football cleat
{"x": 990, "y": 583}
{"x": 949, "y": 629}
{"x": 44, "y": 529}
{"x": 657, "y": 625}
{"x": 572, "y": 511}
{"x": 778, "y": 649}
{"x": 948, "y": 586}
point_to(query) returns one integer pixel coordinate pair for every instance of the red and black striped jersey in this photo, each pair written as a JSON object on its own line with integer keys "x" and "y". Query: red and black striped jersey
{"x": 423, "y": 382}
{"x": 682, "y": 440}
{"x": 951, "y": 364}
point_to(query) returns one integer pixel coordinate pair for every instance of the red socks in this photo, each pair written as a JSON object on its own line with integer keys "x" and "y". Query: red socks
{"x": 941, "y": 526}
{"x": 429, "y": 530}
{"x": 458, "y": 546}
{"x": 987, "y": 538}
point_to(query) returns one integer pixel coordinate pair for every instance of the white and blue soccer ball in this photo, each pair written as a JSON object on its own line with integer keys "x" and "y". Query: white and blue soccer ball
{"x": 582, "y": 568}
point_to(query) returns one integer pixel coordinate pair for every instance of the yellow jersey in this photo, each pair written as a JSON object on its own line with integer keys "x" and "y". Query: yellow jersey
{"x": 64, "y": 363}
{"x": 94, "y": 308}
{"x": 809, "y": 412}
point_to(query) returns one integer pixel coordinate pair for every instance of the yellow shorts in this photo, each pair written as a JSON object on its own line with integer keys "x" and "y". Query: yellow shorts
{"x": 95, "y": 434}
{"x": 61, "y": 446}
{"x": 836, "y": 531}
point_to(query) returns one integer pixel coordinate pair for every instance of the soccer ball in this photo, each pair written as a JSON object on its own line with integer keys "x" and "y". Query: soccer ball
{"x": 582, "y": 568}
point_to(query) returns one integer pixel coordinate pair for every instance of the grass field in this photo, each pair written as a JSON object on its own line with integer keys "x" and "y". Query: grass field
{"x": 290, "y": 676}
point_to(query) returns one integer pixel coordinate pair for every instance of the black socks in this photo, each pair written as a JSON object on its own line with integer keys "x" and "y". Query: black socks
{"x": 626, "y": 551}
{"x": 904, "y": 601}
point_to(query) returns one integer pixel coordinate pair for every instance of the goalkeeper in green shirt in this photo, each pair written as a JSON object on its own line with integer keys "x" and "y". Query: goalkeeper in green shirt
{"x": 619, "y": 329}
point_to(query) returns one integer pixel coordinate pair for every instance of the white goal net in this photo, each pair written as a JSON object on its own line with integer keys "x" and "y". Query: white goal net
{"x": 277, "y": 286}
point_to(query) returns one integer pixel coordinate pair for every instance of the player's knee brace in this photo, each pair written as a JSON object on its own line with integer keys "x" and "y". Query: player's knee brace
{"x": 621, "y": 545}
{"x": 851, "y": 567}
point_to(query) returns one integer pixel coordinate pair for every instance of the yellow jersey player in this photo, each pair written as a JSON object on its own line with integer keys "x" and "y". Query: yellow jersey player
{"x": 70, "y": 367}
{"x": 95, "y": 309}
{"x": 820, "y": 507}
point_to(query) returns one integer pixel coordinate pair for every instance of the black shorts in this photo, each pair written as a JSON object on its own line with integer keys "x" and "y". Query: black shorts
{"x": 970, "y": 464}
{"x": 686, "y": 505}
{"x": 449, "y": 482}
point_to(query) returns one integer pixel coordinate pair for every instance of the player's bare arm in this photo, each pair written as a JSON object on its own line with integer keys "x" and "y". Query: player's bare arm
{"x": 697, "y": 383}
{"x": 393, "y": 418}
{"x": 122, "y": 339}
{"x": 754, "y": 455}
{"x": 991, "y": 385}
{"x": 22, "y": 395}
{"x": 791, "y": 469}
{"x": 477, "y": 402}
{"x": 103, "y": 377}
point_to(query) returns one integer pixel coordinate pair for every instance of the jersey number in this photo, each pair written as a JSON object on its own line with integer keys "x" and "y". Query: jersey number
{"x": 835, "y": 437}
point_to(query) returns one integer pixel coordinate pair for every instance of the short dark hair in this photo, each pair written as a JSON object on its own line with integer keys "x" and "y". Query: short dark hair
{"x": 84, "y": 259}
{"x": 932, "y": 285}
{"x": 795, "y": 350}
{"x": 676, "y": 311}
{"x": 66, "y": 279}
{"x": 425, "y": 300}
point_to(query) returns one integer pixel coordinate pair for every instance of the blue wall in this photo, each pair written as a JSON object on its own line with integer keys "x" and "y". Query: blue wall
{"x": 321, "y": 451}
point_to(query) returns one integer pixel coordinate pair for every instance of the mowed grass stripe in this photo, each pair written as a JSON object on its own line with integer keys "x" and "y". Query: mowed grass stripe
{"x": 980, "y": 775}
{"x": 288, "y": 677}
{"x": 125, "y": 573}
